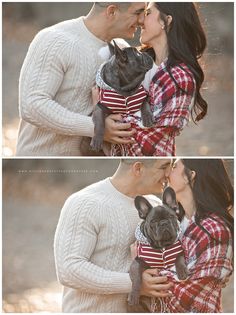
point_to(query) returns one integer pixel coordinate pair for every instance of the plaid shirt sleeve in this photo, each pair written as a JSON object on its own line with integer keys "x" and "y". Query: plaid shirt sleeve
{"x": 172, "y": 103}
{"x": 211, "y": 263}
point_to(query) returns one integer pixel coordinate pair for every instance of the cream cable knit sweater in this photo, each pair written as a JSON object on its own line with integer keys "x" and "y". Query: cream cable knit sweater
{"x": 55, "y": 90}
{"x": 92, "y": 253}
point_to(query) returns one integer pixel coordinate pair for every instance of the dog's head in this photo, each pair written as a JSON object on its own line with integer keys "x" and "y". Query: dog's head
{"x": 160, "y": 225}
{"x": 126, "y": 68}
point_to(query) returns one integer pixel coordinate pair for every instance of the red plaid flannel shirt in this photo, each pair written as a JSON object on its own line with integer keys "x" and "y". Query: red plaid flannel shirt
{"x": 209, "y": 263}
{"x": 171, "y": 108}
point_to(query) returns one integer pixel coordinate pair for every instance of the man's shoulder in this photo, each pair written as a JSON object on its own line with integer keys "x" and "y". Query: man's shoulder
{"x": 91, "y": 191}
{"x": 63, "y": 31}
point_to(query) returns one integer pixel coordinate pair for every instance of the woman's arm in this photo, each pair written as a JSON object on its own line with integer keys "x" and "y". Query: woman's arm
{"x": 171, "y": 106}
{"x": 211, "y": 264}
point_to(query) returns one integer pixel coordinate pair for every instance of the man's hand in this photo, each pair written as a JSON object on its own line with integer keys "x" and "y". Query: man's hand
{"x": 155, "y": 286}
{"x": 116, "y": 131}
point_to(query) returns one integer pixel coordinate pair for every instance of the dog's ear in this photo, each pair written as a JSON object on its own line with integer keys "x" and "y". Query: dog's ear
{"x": 143, "y": 206}
{"x": 119, "y": 53}
{"x": 111, "y": 48}
{"x": 169, "y": 198}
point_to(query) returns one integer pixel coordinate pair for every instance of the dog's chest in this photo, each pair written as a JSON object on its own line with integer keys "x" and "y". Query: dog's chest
{"x": 118, "y": 104}
{"x": 159, "y": 258}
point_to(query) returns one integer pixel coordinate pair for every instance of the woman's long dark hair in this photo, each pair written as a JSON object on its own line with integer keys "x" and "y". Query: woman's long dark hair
{"x": 212, "y": 190}
{"x": 186, "y": 43}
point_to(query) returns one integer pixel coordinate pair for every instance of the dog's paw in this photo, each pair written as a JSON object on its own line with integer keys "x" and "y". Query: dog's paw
{"x": 182, "y": 273}
{"x": 96, "y": 144}
{"x": 148, "y": 120}
{"x": 133, "y": 298}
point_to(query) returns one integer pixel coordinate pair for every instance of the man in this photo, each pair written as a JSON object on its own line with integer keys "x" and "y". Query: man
{"x": 57, "y": 77}
{"x": 93, "y": 238}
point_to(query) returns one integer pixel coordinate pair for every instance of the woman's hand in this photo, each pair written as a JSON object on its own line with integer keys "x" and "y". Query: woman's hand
{"x": 153, "y": 285}
{"x": 116, "y": 131}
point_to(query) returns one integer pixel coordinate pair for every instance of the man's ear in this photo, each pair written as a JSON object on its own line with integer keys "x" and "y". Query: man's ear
{"x": 137, "y": 168}
{"x": 143, "y": 206}
{"x": 111, "y": 10}
{"x": 169, "y": 198}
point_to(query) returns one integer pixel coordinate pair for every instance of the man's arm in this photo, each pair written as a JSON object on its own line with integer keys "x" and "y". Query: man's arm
{"x": 75, "y": 242}
{"x": 41, "y": 77}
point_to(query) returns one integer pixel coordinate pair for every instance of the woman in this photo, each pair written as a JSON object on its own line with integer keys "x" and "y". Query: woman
{"x": 173, "y": 35}
{"x": 205, "y": 197}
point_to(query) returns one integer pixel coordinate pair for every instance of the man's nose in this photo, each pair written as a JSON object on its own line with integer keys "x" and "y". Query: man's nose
{"x": 141, "y": 19}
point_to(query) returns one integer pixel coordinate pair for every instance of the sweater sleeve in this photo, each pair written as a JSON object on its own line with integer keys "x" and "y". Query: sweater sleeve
{"x": 41, "y": 77}
{"x": 75, "y": 241}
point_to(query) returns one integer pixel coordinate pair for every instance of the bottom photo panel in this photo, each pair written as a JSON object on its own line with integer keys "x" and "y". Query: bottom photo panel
{"x": 118, "y": 235}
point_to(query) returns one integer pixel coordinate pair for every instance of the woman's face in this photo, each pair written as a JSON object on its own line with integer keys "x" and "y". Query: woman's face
{"x": 177, "y": 177}
{"x": 152, "y": 27}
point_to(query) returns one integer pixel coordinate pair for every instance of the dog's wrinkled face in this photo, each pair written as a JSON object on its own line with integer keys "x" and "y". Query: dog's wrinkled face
{"x": 160, "y": 225}
{"x": 127, "y": 64}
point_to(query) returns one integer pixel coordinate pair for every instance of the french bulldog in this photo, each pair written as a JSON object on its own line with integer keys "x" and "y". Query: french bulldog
{"x": 123, "y": 72}
{"x": 159, "y": 233}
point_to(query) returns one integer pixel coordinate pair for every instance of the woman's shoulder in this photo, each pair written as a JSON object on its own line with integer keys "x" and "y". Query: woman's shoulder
{"x": 216, "y": 227}
{"x": 181, "y": 72}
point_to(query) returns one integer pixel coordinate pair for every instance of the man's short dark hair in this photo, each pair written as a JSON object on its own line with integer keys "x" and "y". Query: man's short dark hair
{"x": 130, "y": 161}
{"x": 121, "y": 5}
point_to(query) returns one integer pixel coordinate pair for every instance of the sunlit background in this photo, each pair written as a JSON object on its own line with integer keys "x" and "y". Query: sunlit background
{"x": 34, "y": 192}
{"x": 213, "y": 136}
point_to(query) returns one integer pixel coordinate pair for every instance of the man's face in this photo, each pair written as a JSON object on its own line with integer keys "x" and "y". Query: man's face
{"x": 154, "y": 176}
{"x": 127, "y": 21}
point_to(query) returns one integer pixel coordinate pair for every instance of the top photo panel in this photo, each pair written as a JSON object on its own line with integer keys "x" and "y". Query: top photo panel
{"x": 118, "y": 79}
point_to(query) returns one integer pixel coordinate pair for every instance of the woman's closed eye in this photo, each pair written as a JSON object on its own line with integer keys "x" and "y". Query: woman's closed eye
{"x": 147, "y": 12}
